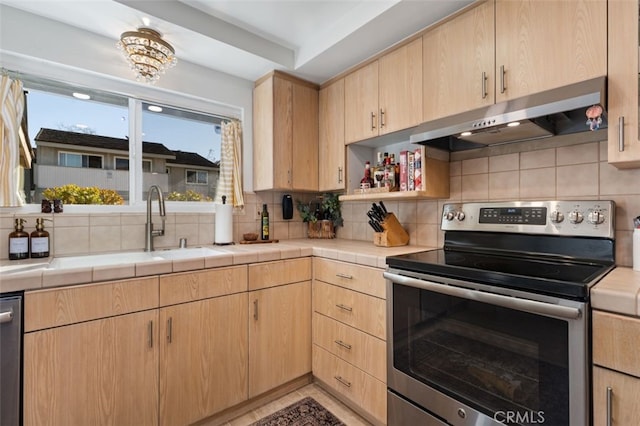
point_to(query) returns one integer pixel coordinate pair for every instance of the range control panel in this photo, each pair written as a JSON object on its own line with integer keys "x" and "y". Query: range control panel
{"x": 591, "y": 218}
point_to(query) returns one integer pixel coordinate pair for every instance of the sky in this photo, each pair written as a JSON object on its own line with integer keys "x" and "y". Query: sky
{"x": 66, "y": 113}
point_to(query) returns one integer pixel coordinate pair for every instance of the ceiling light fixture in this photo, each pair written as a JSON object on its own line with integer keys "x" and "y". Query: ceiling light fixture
{"x": 154, "y": 108}
{"x": 147, "y": 53}
{"x": 82, "y": 96}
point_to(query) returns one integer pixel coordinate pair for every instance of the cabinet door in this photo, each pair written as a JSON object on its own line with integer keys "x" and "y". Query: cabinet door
{"x": 400, "y": 88}
{"x": 331, "y": 154}
{"x": 622, "y": 391}
{"x": 458, "y": 63}
{"x": 547, "y": 44}
{"x": 203, "y": 358}
{"x": 304, "y": 142}
{"x": 102, "y": 372}
{"x": 279, "y": 335}
{"x": 361, "y": 103}
{"x": 623, "y": 90}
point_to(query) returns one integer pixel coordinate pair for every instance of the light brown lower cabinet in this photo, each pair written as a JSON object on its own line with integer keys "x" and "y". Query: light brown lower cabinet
{"x": 203, "y": 358}
{"x": 100, "y": 372}
{"x": 279, "y": 335}
{"x": 616, "y": 398}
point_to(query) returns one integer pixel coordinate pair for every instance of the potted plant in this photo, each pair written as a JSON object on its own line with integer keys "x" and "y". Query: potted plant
{"x": 322, "y": 220}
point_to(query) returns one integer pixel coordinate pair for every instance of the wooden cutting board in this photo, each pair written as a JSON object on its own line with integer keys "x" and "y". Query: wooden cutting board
{"x": 258, "y": 241}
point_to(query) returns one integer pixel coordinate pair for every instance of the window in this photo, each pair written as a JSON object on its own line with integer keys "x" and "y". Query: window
{"x": 198, "y": 177}
{"x": 68, "y": 159}
{"x": 122, "y": 163}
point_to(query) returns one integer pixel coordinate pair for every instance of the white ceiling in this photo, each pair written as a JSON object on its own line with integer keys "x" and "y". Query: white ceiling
{"x": 314, "y": 39}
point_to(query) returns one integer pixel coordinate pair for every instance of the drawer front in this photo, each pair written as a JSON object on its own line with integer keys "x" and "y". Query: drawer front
{"x": 358, "y": 310}
{"x": 348, "y": 275}
{"x": 63, "y": 306}
{"x": 362, "y": 389}
{"x": 271, "y": 274}
{"x": 615, "y": 342}
{"x": 192, "y": 286}
{"x": 623, "y": 397}
{"x": 366, "y": 352}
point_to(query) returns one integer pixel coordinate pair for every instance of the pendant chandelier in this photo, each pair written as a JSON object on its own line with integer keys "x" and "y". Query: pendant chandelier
{"x": 147, "y": 53}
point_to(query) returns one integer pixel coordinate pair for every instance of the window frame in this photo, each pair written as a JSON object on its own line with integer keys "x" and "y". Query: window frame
{"x": 144, "y": 161}
{"x": 81, "y": 155}
{"x": 197, "y": 172}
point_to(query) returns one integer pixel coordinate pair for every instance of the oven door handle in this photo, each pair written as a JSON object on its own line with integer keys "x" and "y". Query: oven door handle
{"x": 530, "y": 306}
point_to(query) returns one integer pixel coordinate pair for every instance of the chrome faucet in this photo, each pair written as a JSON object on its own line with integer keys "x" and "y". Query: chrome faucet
{"x": 148, "y": 228}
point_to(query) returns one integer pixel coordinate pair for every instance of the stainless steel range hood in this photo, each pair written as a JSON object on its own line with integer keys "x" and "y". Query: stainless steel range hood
{"x": 545, "y": 114}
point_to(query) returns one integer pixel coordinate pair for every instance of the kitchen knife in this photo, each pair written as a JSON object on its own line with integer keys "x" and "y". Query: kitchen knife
{"x": 384, "y": 208}
{"x": 378, "y": 211}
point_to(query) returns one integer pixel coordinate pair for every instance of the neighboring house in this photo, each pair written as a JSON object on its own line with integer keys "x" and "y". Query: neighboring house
{"x": 64, "y": 157}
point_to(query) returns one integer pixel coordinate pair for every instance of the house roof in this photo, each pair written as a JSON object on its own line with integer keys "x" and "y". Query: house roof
{"x": 192, "y": 159}
{"x": 97, "y": 141}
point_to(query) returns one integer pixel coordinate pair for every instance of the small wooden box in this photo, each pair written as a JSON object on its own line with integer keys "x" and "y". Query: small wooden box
{"x": 394, "y": 234}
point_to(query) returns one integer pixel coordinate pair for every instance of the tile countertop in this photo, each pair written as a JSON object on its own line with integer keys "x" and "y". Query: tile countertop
{"x": 33, "y": 273}
{"x": 618, "y": 292}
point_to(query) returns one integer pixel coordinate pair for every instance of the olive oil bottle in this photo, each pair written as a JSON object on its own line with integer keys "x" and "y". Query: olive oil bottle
{"x": 264, "y": 223}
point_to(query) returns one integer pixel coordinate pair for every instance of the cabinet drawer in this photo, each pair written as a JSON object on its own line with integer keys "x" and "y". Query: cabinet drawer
{"x": 364, "y": 390}
{"x": 360, "y": 349}
{"x": 358, "y": 310}
{"x": 355, "y": 277}
{"x": 63, "y": 306}
{"x": 615, "y": 342}
{"x": 271, "y": 274}
{"x": 192, "y": 286}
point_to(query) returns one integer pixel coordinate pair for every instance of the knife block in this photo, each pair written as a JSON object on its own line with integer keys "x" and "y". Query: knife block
{"x": 393, "y": 235}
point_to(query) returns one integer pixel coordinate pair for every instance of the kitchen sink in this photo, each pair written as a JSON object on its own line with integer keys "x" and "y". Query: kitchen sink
{"x": 103, "y": 260}
{"x": 186, "y": 253}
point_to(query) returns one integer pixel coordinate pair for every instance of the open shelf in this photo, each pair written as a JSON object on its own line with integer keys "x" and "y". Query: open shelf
{"x": 395, "y": 195}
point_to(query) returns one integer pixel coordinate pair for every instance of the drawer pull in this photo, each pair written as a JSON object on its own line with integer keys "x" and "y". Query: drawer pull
{"x": 255, "y": 309}
{"x": 343, "y": 344}
{"x": 170, "y": 329}
{"x": 343, "y": 381}
{"x": 344, "y": 307}
{"x": 150, "y": 330}
{"x": 609, "y": 405}
{"x": 347, "y": 276}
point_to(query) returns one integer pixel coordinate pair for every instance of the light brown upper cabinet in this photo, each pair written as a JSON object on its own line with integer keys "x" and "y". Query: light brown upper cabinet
{"x": 385, "y": 95}
{"x": 285, "y": 134}
{"x": 623, "y": 90}
{"x": 331, "y": 154}
{"x": 458, "y": 62}
{"x": 536, "y": 46}
{"x": 542, "y": 45}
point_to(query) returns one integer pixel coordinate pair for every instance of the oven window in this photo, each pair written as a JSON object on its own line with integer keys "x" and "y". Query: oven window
{"x": 508, "y": 364}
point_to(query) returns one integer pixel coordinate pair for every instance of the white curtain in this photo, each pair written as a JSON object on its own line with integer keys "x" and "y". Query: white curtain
{"x": 12, "y": 99}
{"x": 230, "y": 181}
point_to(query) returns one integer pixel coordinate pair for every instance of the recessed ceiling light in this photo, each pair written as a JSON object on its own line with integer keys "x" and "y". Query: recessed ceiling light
{"x": 513, "y": 124}
{"x": 154, "y": 108}
{"x": 465, "y": 134}
{"x": 82, "y": 96}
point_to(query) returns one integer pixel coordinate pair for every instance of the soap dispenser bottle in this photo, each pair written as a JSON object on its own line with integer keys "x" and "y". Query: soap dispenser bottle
{"x": 39, "y": 240}
{"x": 19, "y": 242}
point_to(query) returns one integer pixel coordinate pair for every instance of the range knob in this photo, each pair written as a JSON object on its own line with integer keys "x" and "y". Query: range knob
{"x": 449, "y": 215}
{"x": 576, "y": 217}
{"x": 557, "y": 217}
{"x": 460, "y": 215}
{"x": 595, "y": 217}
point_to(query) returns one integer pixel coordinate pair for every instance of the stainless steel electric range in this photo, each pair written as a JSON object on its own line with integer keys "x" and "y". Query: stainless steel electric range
{"x": 494, "y": 328}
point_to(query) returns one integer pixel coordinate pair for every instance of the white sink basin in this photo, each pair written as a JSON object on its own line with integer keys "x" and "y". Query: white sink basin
{"x": 186, "y": 253}
{"x": 103, "y": 260}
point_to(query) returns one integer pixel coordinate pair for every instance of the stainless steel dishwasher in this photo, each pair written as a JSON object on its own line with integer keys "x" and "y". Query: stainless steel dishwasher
{"x": 10, "y": 359}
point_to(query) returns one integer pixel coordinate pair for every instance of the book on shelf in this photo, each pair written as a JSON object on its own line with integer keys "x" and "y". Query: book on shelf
{"x": 403, "y": 171}
{"x": 417, "y": 170}
{"x": 410, "y": 171}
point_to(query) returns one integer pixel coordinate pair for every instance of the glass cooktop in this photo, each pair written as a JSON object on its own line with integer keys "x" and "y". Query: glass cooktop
{"x": 540, "y": 275}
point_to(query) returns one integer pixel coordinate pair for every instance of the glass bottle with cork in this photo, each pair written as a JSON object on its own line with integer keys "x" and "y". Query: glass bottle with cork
{"x": 264, "y": 223}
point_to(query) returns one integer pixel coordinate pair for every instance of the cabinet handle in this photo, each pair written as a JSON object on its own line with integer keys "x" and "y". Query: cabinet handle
{"x": 170, "y": 329}
{"x": 150, "y": 331}
{"x": 343, "y": 344}
{"x": 484, "y": 84}
{"x": 381, "y": 118}
{"x": 289, "y": 176}
{"x": 343, "y": 381}
{"x": 255, "y": 309}
{"x": 373, "y": 124}
{"x": 339, "y": 174}
{"x": 621, "y": 133}
{"x": 503, "y": 88}
{"x": 609, "y": 406}
{"x": 344, "y": 307}
{"x": 347, "y": 276}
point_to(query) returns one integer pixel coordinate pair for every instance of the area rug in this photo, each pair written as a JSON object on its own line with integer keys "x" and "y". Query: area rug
{"x": 306, "y": 412}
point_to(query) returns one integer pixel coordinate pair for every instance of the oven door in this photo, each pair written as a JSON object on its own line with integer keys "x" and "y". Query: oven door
{"x": 479, "y": 355}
